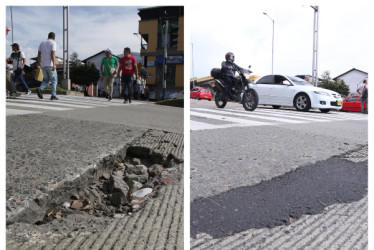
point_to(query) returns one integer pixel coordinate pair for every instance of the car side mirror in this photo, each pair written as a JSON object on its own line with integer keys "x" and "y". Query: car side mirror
{"x": 287, "y": 83}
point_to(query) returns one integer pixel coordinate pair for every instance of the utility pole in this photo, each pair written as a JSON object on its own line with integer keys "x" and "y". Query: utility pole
{"x": 165, "y": 57}
{"x": 272, "y": 46}
{"x": 193, "y": 71}
{"x": 66, "y": 73}
{"x": 11, "y": 18}
{"x": 315, "y": 46}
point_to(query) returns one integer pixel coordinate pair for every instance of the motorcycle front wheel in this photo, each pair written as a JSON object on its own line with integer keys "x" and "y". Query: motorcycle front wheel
{"x": 220, "y": 100}
{"x": 250, "y": 99}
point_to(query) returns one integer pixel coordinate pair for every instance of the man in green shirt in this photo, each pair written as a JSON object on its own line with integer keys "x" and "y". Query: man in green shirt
{"x": 109, "y": 68}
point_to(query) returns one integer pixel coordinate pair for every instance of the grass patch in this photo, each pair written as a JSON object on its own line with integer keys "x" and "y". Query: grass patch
{"x": 172, "y": 102}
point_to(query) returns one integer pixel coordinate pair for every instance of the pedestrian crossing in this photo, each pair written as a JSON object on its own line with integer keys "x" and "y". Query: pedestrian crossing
{"x": 31, "y": 104}
{"x": 208, "y": 119}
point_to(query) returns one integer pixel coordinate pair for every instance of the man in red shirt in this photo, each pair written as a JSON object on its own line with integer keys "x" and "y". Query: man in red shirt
{"x": 128, "y": 67}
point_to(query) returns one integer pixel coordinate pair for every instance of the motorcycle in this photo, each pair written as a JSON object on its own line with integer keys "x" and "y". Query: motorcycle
{"x": 241, "y": 91}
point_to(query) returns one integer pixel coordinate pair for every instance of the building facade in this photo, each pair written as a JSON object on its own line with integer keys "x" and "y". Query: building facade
{"x": 151, "y": 28}
{"x": 353, "y": 78}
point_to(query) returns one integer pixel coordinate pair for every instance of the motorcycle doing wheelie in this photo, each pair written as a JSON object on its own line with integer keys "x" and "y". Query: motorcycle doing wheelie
{"x": 241, "y": 90}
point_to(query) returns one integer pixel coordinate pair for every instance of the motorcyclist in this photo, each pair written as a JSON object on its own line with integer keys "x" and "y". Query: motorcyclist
{"x": 228, "y": 69}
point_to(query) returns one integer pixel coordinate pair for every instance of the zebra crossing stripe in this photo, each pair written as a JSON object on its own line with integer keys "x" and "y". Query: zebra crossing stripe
{"x": 195, "y": 125}
{"x": 47, "y": 103}
{"x": 24, "y": 105}
{"x": 231, "y": 119}
{"x": 252, "y": 114}
{"x": 10, "y": 112}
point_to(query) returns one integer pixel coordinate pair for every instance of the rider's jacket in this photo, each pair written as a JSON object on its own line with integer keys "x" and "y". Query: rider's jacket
{"x": 229, "y": 72}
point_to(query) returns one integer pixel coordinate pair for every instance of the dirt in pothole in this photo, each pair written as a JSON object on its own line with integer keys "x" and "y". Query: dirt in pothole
{"x": 119, "y": 191}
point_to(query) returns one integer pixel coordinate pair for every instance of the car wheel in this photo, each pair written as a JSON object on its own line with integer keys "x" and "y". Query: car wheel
{"x": 198, "y": 97}
{"x": 325, "y": 110}
{"x": 209, "y": 99}
{"x": 220, "y": 100}
{"x": 276, "y": 106}
{"x": 302, "y": 102}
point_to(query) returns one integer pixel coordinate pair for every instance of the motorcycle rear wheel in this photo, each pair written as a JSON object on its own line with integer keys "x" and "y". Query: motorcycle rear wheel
{"x": 250, "y": 100}
{"x": 220, "y": 100}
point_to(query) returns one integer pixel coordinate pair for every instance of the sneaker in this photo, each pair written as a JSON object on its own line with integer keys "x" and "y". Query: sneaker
{"x": 125, "y": 101}
{"x": 54, "y": 97}
{"x": 40, "y": 93}
{"x": 130, "y": 101}
{"x": 107, "y": 96}
{"x": 28, "y": 92}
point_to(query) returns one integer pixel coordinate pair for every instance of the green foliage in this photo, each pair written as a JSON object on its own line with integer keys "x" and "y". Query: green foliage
{"x": 337, "y": 85}
{"x": 84, "y": 74}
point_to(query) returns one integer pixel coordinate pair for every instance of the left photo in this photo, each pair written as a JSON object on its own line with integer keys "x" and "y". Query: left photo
{"x": 94, "y": 127}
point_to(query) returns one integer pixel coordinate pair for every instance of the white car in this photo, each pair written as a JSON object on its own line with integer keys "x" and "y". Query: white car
{"x": 281, "y": 90}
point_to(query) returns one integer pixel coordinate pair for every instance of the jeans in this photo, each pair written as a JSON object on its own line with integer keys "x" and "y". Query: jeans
{"x": 127, "y": 84}
{"x": 364, "y": 100}
{"x": 49, "y": 76}
{"x": 20, "y": 78}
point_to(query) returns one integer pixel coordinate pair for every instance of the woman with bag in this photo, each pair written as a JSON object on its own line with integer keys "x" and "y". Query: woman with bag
{"x": 109, "y": 68}
{"x": 19, "y": 60}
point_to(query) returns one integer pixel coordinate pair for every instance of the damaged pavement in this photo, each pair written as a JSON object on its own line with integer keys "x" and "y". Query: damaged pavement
{"x": 123, "y": 189}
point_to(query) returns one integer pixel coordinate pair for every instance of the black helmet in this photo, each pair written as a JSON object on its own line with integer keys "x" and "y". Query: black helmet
{"x": 230, "y": 57}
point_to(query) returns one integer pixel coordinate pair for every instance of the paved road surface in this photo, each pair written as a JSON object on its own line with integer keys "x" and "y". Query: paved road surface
{"x": 235, "y": 153}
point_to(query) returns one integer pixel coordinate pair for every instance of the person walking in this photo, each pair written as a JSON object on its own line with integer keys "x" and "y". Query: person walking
{"x": 47, "y": 62}
{"x": 19, "y": 60}
{"x": 109, "y": 68}
{"x": 10, "y": 88}
{"x": 363, "y": 91}
{"x": 128, "y": 68}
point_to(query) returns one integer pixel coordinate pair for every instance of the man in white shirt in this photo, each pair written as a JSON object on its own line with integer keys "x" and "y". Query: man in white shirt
{"x": 47, "y": 61}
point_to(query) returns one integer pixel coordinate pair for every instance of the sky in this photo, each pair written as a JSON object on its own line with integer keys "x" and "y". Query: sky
{"x": 247, "y": 32}
{"x": 91, "y": 29}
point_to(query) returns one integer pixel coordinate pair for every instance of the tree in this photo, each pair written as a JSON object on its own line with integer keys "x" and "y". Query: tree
{"x": 84, "y": 74}
{"x": 338, "y": 85}
{"x": 74, "y": 61}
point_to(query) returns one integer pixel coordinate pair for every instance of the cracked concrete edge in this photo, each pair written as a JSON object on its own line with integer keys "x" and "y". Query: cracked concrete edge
{"x": 159, "y": 225}
{"x": 35, "y": 209}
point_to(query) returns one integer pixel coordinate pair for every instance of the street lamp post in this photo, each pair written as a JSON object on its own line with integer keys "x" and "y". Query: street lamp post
{"x": 315, "y": 46}
{"x": 272, "y": 47}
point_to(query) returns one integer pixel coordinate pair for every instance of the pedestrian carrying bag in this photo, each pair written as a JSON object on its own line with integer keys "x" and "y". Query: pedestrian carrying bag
{"x": 39, "y": 75}
{"x": 111, "y": 70}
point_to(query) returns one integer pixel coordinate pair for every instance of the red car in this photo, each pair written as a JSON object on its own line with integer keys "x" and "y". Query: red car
{"x": 352, "y": 103}
{"x": 201, "y": 93}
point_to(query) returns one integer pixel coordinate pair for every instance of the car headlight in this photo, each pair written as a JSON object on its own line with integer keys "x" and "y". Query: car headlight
{"x": 321, "y": 93}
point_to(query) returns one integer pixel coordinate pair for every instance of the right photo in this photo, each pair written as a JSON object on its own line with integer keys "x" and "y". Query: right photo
{"x": 279, "y": 126}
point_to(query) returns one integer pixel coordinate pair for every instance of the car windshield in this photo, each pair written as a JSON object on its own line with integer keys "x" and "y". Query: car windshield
{"x": 205, "y": 90}
{"x": 299, "y": 81}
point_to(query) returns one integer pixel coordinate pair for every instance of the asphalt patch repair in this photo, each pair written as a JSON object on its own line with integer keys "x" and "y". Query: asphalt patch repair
{"x": 281, "y": 200}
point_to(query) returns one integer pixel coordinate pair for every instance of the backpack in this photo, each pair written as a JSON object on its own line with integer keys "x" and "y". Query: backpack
{"x": 364, "y": 93}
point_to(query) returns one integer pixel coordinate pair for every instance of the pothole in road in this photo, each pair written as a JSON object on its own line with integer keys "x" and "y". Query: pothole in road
{"x": 123, "y": 188}
{"x": 281, "y": 200}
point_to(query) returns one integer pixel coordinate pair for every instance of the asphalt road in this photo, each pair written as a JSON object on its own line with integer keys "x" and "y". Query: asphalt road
{"x": 270, "y": 167}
